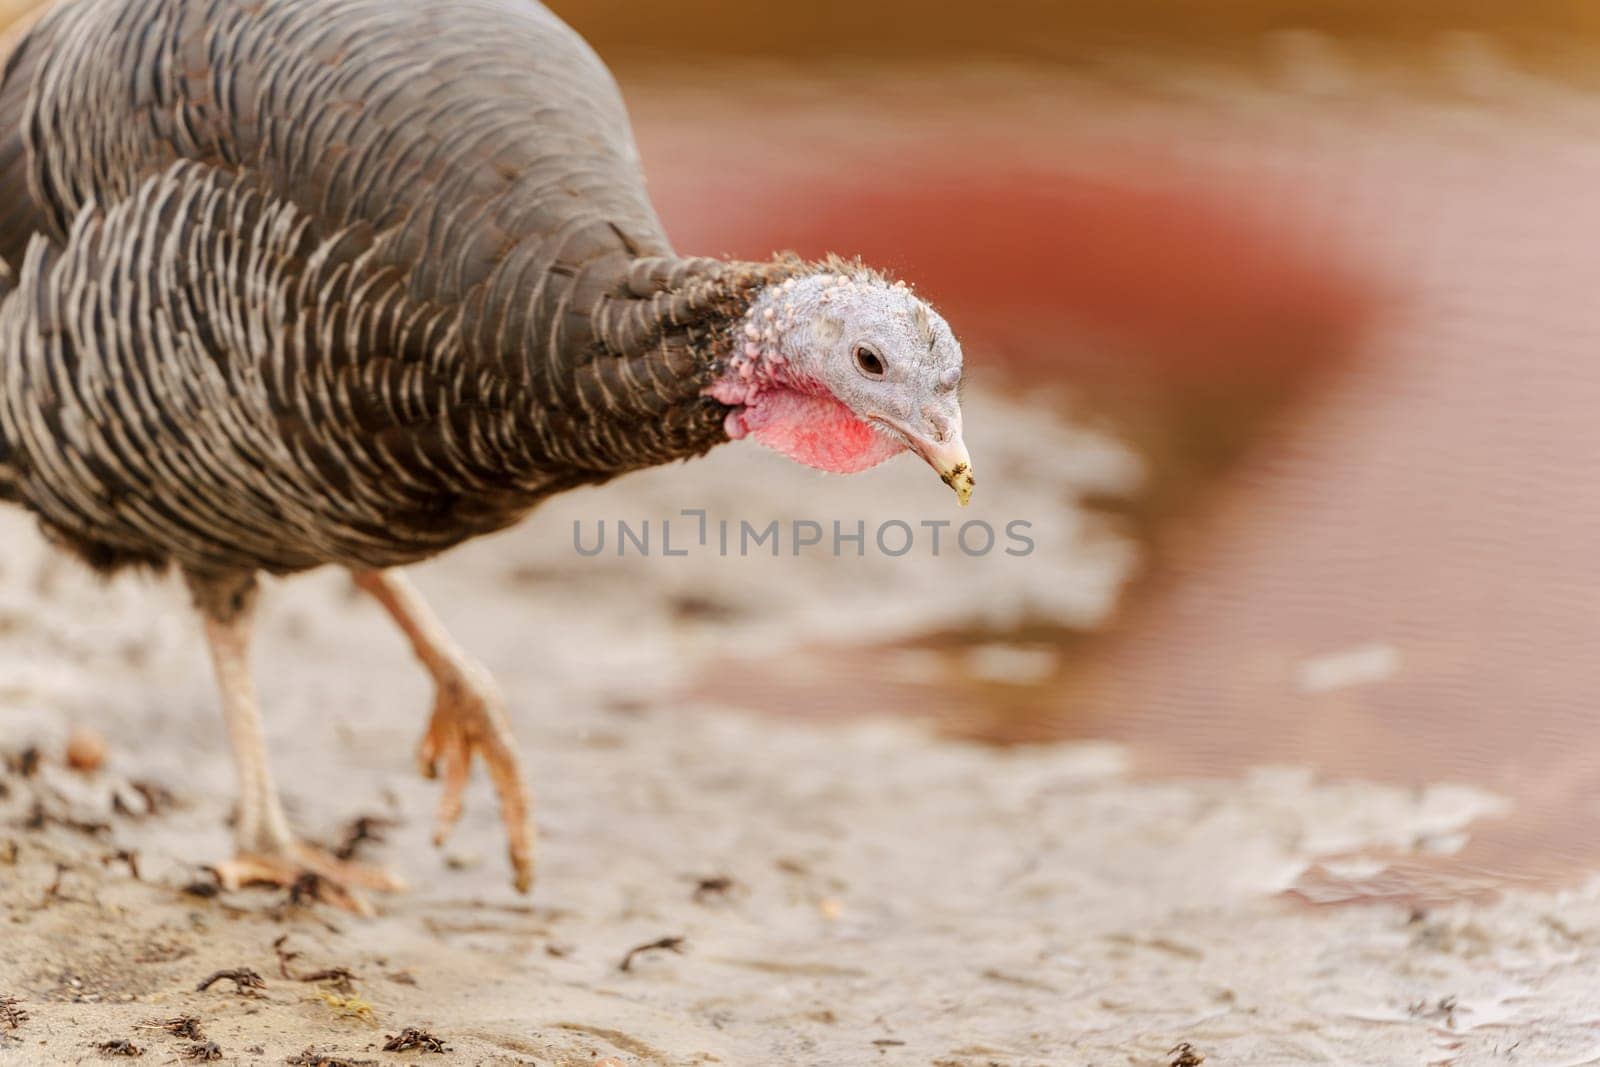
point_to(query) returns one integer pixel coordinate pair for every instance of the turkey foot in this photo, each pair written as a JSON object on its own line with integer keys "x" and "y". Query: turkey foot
{"x": 467, "y": 720}
{"x": 304, "y": 869}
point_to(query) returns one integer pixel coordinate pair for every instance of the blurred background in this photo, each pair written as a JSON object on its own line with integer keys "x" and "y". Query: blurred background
{"x": 1326, "y": 267}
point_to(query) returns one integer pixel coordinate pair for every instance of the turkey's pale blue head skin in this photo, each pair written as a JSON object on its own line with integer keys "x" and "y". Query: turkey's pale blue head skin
{"x": 843, "y": 371}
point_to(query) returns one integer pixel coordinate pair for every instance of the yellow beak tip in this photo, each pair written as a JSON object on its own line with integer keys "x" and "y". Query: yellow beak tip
{"x": 960, "y": 479}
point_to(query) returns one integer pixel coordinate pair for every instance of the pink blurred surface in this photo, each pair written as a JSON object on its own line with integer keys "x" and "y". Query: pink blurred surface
{"x": 1150, "y": 268}
{"x": 1435, "y": 498}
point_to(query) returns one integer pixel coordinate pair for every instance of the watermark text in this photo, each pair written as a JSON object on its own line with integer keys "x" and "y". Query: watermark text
{"x": 695, "y": 532}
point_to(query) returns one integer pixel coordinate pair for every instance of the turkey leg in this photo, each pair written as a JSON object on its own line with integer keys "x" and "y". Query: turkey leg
{"x": 468, "y": 717}
{"x": 267, "y": 851}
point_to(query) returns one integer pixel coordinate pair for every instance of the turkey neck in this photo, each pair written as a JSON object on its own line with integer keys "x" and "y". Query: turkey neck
{"x": 611, "y": 373}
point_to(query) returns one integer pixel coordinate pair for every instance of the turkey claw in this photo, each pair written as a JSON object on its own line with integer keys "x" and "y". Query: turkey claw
{"x": 468, "y": 719}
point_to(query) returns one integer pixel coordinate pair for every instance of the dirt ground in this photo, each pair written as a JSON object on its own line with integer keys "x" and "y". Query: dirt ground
{"x": 835, "y": 894}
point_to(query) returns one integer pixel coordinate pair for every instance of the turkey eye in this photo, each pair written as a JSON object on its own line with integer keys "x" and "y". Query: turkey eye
{"x": 869, "y": 362}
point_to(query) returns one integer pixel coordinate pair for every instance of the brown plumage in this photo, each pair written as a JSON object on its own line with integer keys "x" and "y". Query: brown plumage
{"x": 304, "y": 282}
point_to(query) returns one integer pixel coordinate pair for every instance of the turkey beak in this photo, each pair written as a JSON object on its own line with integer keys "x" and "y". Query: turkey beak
{"x": 949, "y": 459}
{"x": 941, "y": 447}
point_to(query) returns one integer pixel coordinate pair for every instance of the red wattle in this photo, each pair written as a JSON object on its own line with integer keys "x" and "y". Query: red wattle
{"x": 817, "y": 430}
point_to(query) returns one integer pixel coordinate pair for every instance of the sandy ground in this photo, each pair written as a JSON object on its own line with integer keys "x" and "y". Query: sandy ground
{"x": 860, "y": 894}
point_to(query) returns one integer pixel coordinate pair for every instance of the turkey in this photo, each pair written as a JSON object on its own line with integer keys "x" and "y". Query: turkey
{"x": 299, "y": 283}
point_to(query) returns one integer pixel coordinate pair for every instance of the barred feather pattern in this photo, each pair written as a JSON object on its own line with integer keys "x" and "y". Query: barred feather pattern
{"x": 295, "y": 282}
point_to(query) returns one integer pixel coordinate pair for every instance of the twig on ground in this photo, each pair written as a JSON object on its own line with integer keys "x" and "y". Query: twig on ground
{"x": 341, "y": 978}
{"x": 119, "y": 1047}
{"x": 11, "y": 1013}
{"x": 243, "y": 978}
{"x": 363, "y": 829}
{"x": 187, "y": 1026}
{"x": 285, "y": 957}
{"x": 719, "y": 885}
{"x": 664, "y": 944}
{"x": 411, "y": 1038}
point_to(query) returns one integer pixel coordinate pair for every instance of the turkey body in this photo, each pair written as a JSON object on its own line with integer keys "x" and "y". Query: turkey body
{"x": 291, "y": 283}
{"x": 300, "y": 282}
